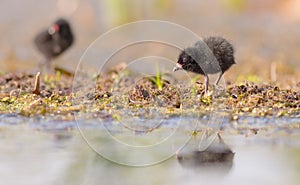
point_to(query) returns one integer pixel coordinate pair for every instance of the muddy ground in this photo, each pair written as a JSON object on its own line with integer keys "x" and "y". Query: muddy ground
{"x": 115, "y": 92}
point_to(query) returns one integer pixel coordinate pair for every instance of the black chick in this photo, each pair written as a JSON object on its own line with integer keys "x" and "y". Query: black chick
{"x": 208, "y": 56}
{"x": 55, "y": 40}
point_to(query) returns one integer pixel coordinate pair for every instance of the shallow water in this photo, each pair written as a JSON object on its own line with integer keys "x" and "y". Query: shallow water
{"x": 48, "y": 152}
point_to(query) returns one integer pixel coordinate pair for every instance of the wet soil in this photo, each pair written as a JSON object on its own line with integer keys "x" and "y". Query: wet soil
{"x": 116, "y": 92}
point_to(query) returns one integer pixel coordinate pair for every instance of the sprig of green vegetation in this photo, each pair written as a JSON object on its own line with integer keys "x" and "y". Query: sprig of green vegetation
{"x": 158, "y": 80}
{"x": 193, "y": 92}
{"x": 194, "y": 79}
{"x": 57, "y": 75}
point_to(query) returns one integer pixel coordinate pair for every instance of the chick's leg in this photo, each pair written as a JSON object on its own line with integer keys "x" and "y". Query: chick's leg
{"x": 218, "y": 79}
{"x": 206, "y": 82}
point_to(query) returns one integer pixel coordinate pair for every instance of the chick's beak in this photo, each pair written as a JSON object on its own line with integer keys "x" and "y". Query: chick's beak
{"x": 177, "y": 67}
{"x": 53, "y": 29}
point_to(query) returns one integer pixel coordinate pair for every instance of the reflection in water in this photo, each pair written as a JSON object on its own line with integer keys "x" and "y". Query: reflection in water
{"x": 61, "y": 139}
{"x": 216, "y": 157}
{"x": 62, "y": 157}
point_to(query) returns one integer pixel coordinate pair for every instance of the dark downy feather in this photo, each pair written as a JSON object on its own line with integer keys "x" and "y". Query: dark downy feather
{"x": 210, "y": 56}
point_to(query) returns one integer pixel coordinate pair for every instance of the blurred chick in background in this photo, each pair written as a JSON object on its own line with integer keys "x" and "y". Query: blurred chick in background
{"x": 54, "y": 41}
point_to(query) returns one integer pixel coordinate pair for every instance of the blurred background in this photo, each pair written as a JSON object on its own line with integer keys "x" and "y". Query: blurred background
{"x": 265, "y": 33}
{"x": 266, "y": 36}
